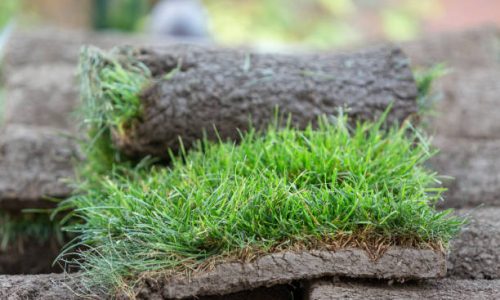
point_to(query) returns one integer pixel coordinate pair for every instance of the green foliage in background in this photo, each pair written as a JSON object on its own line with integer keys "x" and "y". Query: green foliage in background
{"x": 7, "y": 10}
{"x": 317, "y": 23}
{"x": 124, "y": 15}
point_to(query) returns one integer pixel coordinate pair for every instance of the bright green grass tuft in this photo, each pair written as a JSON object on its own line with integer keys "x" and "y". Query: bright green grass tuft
{"x": 272, "y": 190}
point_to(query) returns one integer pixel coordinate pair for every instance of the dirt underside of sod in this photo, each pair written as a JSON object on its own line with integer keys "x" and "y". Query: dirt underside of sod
{"x": 396, "y": 263}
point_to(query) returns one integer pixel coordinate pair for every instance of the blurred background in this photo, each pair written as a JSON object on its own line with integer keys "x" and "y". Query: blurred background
{"x": 262, "y": 23}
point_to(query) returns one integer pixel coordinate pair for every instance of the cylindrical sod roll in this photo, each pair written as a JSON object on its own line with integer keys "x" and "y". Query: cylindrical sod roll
{"x": 217, "y": 92}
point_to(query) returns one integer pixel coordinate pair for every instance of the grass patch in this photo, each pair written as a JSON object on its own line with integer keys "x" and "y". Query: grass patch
{"x": 274, "y": 190}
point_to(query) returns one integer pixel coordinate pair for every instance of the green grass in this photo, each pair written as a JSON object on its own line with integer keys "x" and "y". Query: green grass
{"x": 110, "y": 84}
{"x": 284, "y": 188}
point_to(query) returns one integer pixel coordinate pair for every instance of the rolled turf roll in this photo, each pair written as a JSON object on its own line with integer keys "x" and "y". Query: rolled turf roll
{"x": 156, "y": 95}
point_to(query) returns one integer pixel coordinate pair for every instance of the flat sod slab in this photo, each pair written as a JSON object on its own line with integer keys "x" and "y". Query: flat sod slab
{"x": 479, "y": 48}
{"x": 280, "y": 268}
{"x": 43, "y": 95}
{"x": 50, "y": 45}
{"x": 467, "y": 132}
{"x": 442, "y": 289}
{"x": 469, "y": 105}
{"x": 475, "y": 253}
{"x": 474, "y": 165}
{"x": 34, "y": 164}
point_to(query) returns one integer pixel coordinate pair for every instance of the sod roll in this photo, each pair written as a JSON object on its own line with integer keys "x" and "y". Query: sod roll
{"x": 197, "y": 91}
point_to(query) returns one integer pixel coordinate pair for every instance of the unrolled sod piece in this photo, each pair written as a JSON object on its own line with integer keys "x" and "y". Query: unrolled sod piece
{"x": 270, "y": 270}
{"x": 197, "y": 89}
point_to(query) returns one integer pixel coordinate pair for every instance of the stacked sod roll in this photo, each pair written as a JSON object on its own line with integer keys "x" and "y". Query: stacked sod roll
{"x": 190, "y": 91}
{"x": 202, "y": 161}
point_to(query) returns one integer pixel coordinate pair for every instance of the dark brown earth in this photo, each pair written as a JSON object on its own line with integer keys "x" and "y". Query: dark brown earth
{"x": 446, "y": 289}
{"x": 222, "y": 89}
{"x": 468, "y": 107}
